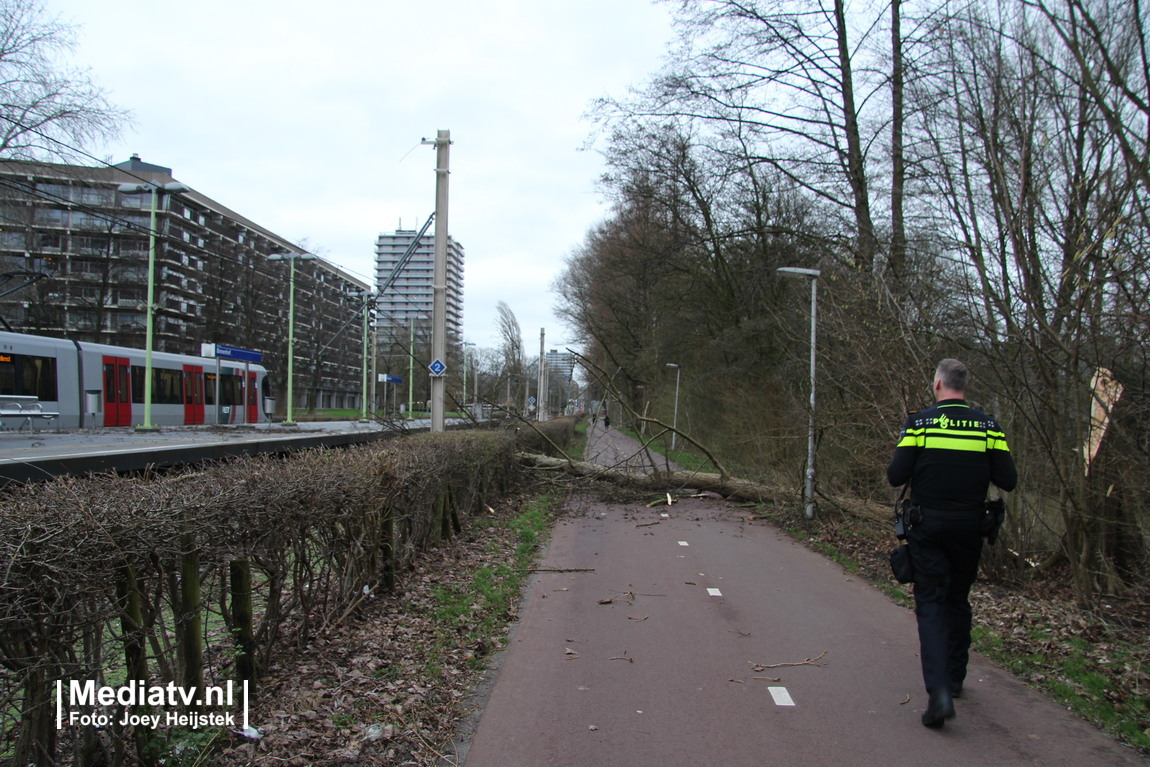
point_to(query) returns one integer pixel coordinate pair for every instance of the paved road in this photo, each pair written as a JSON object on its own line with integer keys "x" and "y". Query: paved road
{"x": 609, "y": 447}
{"x": 686, "y": 635}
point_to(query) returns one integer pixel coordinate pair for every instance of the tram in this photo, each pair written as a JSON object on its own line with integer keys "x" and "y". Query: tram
{"x": 96, "y": 385}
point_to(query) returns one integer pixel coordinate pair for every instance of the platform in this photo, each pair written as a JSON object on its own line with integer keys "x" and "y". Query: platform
{"x": 26, "y": 457}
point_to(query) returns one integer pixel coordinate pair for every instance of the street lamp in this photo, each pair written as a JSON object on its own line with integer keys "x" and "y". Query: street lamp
{"x": 156, "y": 190}
{"x": 291, "y": 259}
{"x": 675, "y": 420}
{"x": 467, "y": 353}
{"x": 813, "y": 275}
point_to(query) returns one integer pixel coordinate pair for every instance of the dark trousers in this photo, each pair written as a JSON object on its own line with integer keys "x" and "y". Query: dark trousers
{"x": 944, "y": 550}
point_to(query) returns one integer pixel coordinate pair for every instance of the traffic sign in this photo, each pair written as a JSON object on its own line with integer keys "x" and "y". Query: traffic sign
{"x": 437, "y": 368}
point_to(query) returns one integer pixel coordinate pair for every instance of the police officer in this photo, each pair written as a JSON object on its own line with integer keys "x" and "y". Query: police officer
{"x": 950, "y": 453}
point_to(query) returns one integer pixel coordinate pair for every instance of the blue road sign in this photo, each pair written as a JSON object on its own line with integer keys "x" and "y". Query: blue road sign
{"x": 437, "y": 368}
{"x": 391, "y": 379}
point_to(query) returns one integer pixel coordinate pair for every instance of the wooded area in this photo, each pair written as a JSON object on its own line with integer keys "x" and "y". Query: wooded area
{"x": 971, "y": 180}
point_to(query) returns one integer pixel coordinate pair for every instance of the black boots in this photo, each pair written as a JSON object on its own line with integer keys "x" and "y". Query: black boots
{"x": 940, "y": 708}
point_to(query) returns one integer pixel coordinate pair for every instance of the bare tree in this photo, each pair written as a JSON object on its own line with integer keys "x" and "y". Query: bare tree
{"x": 785, "y": 73}
{"x": 1043, "y": 212}
{"x": 511, "y": 349}
{"x": 47, "y": 110}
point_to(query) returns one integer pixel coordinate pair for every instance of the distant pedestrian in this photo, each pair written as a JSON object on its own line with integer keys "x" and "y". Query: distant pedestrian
{"x": 950, "y": 454}
{"x": 606, "y": 421}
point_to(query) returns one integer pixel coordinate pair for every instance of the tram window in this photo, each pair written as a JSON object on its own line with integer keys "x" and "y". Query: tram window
{"x": 209, "y": 388}
{"x": 7, "y": 375}
{"x": 230, "y": 393}
{"x": 25, "y": 375}
{"x": 167, "y": 386}
{"x": 137, "y": 384}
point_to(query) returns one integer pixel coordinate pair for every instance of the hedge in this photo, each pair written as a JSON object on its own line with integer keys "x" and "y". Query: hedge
{"x": 200, "y": 577}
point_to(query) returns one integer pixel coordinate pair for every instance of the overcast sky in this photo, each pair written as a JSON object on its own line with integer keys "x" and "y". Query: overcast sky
{"x": 306, "y": 117}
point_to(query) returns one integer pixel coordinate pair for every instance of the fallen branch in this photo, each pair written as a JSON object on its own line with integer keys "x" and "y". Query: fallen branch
{"x": 807, "y": 662}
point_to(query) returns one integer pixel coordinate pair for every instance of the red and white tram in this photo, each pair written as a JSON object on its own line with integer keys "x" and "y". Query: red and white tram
{"x": 97, "y": 385}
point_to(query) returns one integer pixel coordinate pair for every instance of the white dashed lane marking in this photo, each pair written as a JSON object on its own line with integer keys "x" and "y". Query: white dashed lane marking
{"x": 781, "y": 696}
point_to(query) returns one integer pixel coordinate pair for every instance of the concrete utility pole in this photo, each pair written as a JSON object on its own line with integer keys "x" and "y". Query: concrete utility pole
{"x": 439, "y": 278}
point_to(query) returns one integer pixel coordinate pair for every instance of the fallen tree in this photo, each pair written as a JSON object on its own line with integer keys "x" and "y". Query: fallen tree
{"x": 727, "y": 486}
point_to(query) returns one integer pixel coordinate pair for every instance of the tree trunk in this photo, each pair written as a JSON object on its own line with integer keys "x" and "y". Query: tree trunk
{"x": 728, "y": 487}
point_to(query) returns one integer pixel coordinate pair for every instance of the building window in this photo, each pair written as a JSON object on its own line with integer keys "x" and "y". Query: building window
{"x": 90, "y": 195}
{"x": 12, "y": 240}
{"x": 82, "y": 219}
{"x": 50, "y": 216}
{"x": 90, "y": 245}
{"x": 135, "y": 200}
{"x": 54, "y": 191}
{"x": 49, "y": 240}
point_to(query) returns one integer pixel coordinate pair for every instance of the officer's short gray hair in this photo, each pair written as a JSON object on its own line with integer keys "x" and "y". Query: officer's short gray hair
{"x": 953, "y": 374}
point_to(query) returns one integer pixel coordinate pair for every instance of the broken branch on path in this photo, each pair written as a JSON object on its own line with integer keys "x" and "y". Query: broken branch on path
{"x": 807, "y": 662}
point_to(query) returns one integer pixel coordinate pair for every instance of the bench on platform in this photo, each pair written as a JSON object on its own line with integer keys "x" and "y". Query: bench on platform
{"x": 23, "y": 407}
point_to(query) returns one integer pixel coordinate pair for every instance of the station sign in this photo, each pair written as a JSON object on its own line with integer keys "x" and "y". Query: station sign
{"x": 230, "y": 353}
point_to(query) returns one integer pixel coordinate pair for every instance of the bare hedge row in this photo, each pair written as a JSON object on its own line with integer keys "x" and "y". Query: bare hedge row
{"x": 199, "y": 577}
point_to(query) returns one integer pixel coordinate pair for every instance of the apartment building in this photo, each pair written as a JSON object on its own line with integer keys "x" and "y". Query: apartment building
{"x": 74, "y": 261}
{"x": 404, "y": 269}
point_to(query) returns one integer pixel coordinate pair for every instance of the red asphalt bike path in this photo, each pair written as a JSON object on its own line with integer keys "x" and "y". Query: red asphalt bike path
{"x": 686, "y": 635}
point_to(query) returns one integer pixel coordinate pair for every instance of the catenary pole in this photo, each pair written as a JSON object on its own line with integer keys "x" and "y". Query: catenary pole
{"x": 439, "y": 277}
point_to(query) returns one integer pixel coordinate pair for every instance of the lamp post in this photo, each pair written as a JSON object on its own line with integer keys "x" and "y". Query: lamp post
{"x": 466, "y": 347}
{"x": 156, "y": 190}
{"x": 813, "y": 276}
{"x": 675, "y": 420}
{"x": 291, "y": 259}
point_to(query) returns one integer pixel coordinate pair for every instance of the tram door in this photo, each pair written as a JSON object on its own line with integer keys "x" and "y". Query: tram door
{"x": 117, "y": 391}
{"x": 193, "y": 394}
{"x": 253, "y": 400}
